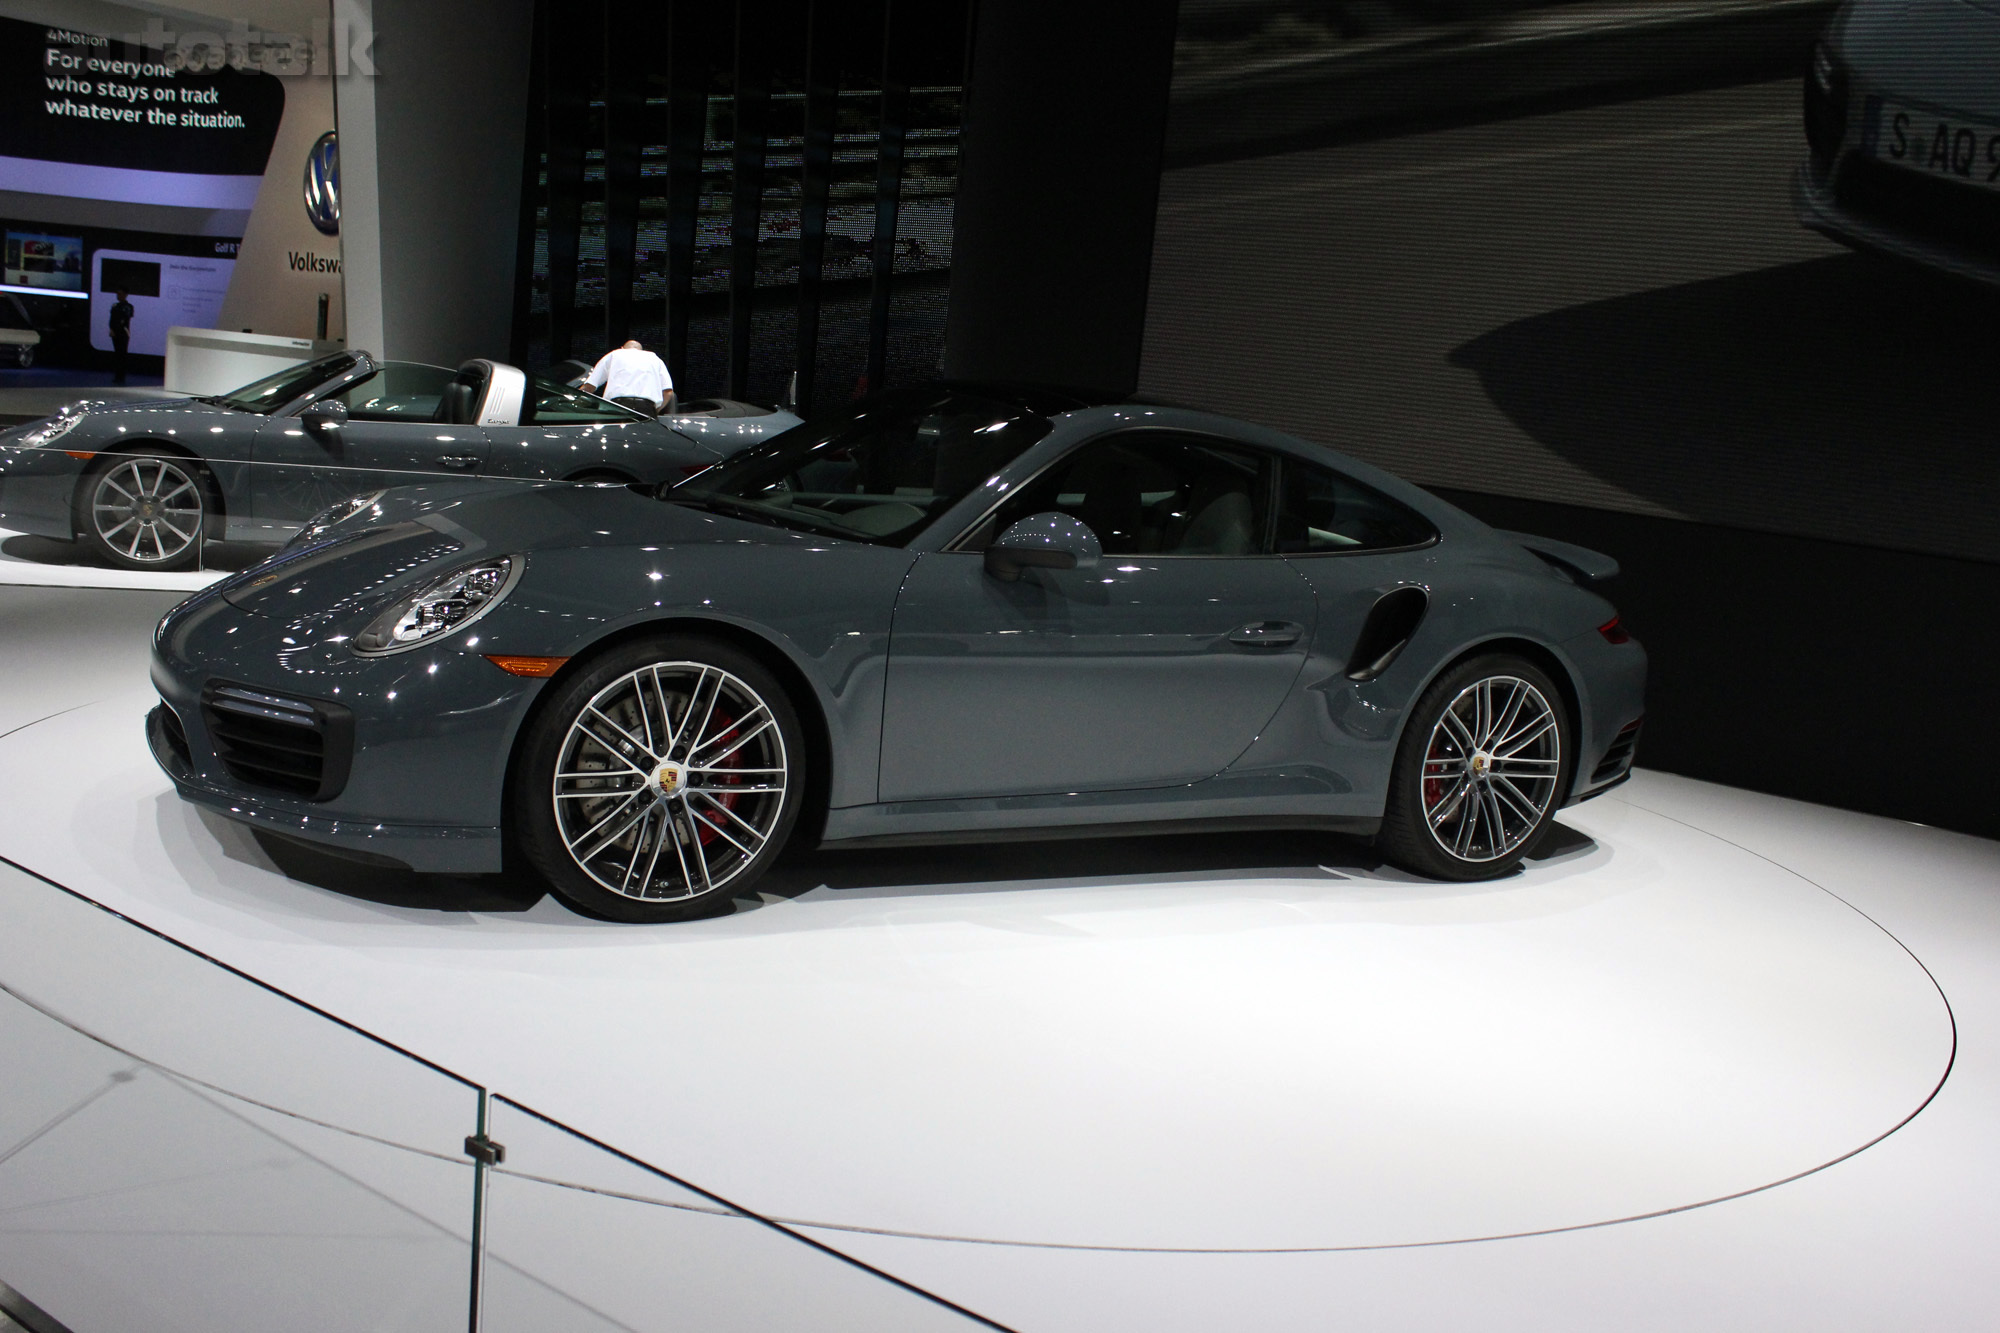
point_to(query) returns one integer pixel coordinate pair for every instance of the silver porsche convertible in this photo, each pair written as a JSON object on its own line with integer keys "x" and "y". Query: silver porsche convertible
{"x": 147, "y": 483}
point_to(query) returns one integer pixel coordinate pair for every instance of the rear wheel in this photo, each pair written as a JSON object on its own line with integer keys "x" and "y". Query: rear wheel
{"x": 144, "y": 511}
{"x": 1480, "y": 771}
{"x": 660, "y": 781}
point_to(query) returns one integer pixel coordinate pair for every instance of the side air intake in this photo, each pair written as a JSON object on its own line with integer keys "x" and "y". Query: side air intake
{"x": 1391, "y": 621}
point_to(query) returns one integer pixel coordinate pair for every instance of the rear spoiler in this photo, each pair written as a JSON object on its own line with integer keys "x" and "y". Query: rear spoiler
{"x": 1578, "y": 562}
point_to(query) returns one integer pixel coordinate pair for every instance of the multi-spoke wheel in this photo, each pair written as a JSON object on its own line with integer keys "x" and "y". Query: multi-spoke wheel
{"x": 660, "y": 781}
{"x": 1483, "y": 764}
{"x": 144, "y": 511}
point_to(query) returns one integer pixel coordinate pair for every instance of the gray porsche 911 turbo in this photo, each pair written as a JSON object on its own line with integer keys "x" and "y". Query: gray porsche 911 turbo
{"x": 146, "y": 483}
{"x": 953, "y": 614}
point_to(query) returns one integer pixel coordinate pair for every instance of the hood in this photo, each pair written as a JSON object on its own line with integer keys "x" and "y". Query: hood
{"x": 416, "y": 533}
{"x": 1938, "y": 52}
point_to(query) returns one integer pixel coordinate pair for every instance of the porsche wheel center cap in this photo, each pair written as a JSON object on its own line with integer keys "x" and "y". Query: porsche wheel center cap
{"x": 670, "y": 778}
{"x": 1481, "y": 764}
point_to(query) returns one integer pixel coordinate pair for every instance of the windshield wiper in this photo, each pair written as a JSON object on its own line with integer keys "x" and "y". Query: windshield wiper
{"x": 722, "y": 504}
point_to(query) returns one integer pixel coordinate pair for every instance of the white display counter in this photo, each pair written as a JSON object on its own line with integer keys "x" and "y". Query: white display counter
{"x": 209, "y": 361}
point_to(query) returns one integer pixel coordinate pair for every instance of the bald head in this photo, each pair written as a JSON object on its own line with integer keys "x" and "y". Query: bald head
{"x": 632, "y": 344}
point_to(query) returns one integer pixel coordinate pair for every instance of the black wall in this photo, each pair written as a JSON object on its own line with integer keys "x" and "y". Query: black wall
{"x": 1060, "y": 175}
{"x": 1845, "y": 675}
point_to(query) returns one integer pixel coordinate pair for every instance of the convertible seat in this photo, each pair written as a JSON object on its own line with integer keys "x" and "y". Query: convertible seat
{"x": 457, "y": 406}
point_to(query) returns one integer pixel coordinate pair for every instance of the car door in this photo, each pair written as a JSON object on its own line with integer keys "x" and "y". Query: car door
{"x": 397, "y": 432}
{"x": 1155, "y": 667}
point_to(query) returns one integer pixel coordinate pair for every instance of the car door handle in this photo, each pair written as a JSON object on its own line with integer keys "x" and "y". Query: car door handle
{"x": 1267, "y": 634}
{"x": 460, "y": 461}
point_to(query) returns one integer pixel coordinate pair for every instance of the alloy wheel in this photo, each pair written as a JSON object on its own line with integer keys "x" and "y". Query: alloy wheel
{"x": 147, "y": 510}
{"x": 1491, "y": 769}
{"x": 670, "y": 781}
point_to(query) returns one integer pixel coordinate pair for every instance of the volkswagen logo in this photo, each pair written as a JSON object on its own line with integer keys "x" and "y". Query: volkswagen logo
{"x": 323, "y": 184}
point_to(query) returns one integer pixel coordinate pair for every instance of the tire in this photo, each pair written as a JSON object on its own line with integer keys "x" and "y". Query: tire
{"x": 606, "y": 807}
{"x": 1459, "y": 803}
{"x": 144, "y": 510}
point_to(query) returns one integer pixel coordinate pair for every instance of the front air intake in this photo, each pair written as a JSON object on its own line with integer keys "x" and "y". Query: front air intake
{"x": 301, "y": 747}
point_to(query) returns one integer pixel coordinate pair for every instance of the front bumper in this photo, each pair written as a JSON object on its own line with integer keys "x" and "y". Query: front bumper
{"x": 37, "y": 487}
{"x": 400, "y": 759}
{"x": 1818, "y": 201}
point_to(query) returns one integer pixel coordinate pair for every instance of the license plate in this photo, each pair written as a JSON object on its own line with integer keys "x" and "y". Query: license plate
{"x": 1930, "y": 142}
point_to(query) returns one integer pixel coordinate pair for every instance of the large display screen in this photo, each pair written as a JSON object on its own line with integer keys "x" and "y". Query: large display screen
{"x": 83, "y": 116}
{"x": 44, "y": 263}
{"x": 1553, "y": 251}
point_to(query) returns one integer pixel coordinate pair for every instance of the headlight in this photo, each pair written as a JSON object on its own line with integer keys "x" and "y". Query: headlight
{"x": 331, "y": 516}
{"x": 450, "y": 603}
{"x": 52, "y": 430}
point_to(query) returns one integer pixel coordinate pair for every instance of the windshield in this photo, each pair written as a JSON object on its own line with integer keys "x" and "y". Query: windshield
{"x": 274, "y": 391}
{"x": 879, "y": 475}
{"x": 552, "y": 404}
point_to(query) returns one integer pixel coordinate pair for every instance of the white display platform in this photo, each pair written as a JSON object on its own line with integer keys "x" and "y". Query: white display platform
{"x": 1211, "y": 1082}
{"x": 55, "y": 564}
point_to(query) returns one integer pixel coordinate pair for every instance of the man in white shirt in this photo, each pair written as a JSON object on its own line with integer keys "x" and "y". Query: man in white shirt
{"x": 633, "y": 377}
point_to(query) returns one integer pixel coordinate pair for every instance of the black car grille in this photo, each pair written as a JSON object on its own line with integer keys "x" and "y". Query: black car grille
{"x": 301, "y": 747}
{"x": 1618, "y": 759}
{"x": 1962, "y": 216}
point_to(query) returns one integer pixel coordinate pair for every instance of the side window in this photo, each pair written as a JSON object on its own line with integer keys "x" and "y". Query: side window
{"x": 1154, "y": 492}
{"x": 1320, "y": 510}
{"x": 552, "y": 404}
{"x": 399, "y": 391}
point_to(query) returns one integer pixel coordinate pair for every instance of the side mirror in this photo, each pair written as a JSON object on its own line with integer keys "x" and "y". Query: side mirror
{"x": 324, "y": 419}
{"x": 1042, "y": 541}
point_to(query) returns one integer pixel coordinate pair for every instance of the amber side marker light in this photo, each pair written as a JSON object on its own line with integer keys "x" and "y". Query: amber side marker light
{"x": 1614, "y": 632}
{"x": 85, "y": 454}
{"x": 528, "y": 666}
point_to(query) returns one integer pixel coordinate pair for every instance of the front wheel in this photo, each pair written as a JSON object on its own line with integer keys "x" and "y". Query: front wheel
{"x": 144, "y": 511}
{"x": 1482, "y": 766}
{"x": 660, "y": 781}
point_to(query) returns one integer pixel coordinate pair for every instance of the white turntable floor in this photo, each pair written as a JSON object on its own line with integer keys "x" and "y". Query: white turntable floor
{"x": 1690, "y": 1071}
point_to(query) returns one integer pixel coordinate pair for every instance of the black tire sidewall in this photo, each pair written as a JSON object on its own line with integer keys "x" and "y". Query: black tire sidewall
{"x": 1404, "y": 839}
{"x": 531, "y": 824}
{"x": 86, "y": 512}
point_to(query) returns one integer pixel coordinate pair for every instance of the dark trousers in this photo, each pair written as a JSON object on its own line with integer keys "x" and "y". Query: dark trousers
{"x": 120, "y": 340}
{"x": 646, "y": 405}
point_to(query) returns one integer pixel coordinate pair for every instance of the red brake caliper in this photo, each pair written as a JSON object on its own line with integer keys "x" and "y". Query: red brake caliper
{"x": 727, "y": 800}
{"x": 1434, "y": 786}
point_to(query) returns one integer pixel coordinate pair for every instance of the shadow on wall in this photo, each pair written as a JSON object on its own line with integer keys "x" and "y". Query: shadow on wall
{"x": 1850, "y": 389}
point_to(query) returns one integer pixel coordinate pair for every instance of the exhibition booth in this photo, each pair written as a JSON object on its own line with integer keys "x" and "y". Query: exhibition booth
{"x": 1416, "y": 1009}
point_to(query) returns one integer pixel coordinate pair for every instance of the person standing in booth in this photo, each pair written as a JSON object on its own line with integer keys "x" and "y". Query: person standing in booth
{"x": 121, "y": 335}
{"x": 633, "y": 377}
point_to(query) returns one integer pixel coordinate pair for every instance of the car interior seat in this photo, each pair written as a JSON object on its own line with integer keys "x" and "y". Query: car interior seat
{"x": 458, "y": 403}
{"x": 1224, "y": 525}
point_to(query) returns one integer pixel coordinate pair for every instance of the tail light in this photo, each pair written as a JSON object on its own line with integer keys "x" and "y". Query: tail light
{"x": 1614, "y": 632}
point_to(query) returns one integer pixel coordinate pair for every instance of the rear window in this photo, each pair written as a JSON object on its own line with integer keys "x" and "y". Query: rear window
{"x": 1322, "y": 512}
